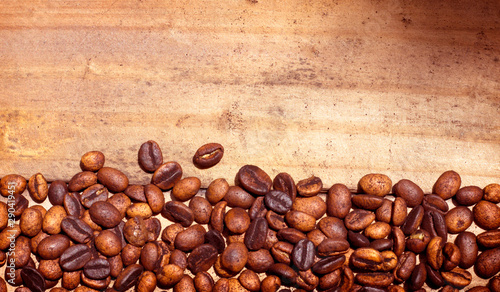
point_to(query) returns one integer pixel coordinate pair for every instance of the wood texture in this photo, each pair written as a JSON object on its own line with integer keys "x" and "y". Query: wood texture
{"x": 336, "y": 89}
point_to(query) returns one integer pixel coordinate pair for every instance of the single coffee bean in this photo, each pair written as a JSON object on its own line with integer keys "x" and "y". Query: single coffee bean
{"x": 314, "y": 206}
{"x": 97, "y": 269}
{"x": 186, "y": 284}
{"x": 303, "y": 254}
{"x": 19, "y": 253}
{"x": 202, "y": 210}
{"x": 434, "y": 222}
{"x": 300, "y": 221}
{"x": 418, "y": 277}
{"x": 238, "y": 197}
{"x": 237, "y": 220}
{"x": 258, "y": 208}
{"x": 434, "y": 253}
{"x": 169, "y": 275}
{"x": 375, "y": 184}
{"x": 81, "y": 181}
{"x": 216, "y": 239}
{"x": 208, "y": 155}
{"x": 434, "y": 278}
{"x": 331, "y": 280}
{"x": 255, "y": 235}
{"x": 378, "y": 230}
{"x": 494, "y": 284}
{"x": 399, "y": 211}
{"x": 488, "y": 263}
{"x": 202, "y": 258}
{"x": 357, "y": 239}
{"x": 31, "y": 222}
{"x": 167, "y": 175}
{"x": 76, "y": 229}
{"x": 179, "y": 212}
{"x": 259, "y": 261}
{"x": 249, "y": 280}
{"x": 457, "y": 277}
{"x": 146, "y": 282}
{"x": 113, "y": 179}
{"x": 52, "y": 220}
{"x": 92, "y": 161}
{"x": 105, "y": 214}
{"x": 310, "y": 186}
{"x": 130, "y": 254}
{"x": 358, "y": 219}
{"x": 216, "y": 190}
{"x": 468, "y": 196}
{"x": 338, "y": 201}
{"x": 270, "y": 283}
{"x": 413, "y": 221}
{"x": 406, "y": 264}
{"x": 20, "y": 204}
{"x": 12, "y": 184}
{"x": 72, "y": 205}
{"x": 75, "y": 257}
{"x": 390, "y": 260}
{"x": 409, "y": 191}
{"x": 136, "y": 193}
{"x": 93, "y": 194}
{"x": 466, "y": 242}
{"x": 150, "y": 156}
{"x": 92, "y": 284}
{"x": 53, "y": 246}
{"x": 135, "y": 231}
{"x": 190, "y": 238}
{"x": 489, "y": 239}
{"x": 254, "y": 180}
{"x": 436, "y": 203}
{"x": 486, "y": 215}
{"x": 452, "y": 256}
{"x": 328, "y": 264}
{"x": 458, "y": 219}
{"x": 333, "y": 246}
{"x": 384, "y": 212}
{"x": 169, "y": 233}
{"x": 32, "y": 279}
{"x": 186, "y": 188}
{"x": 139, "y": 209}
{"x": 8, "y": 234}
{"x": 332, "y": 227}
{"x": 278, "y": 201}
{"x": 38, "y": 188}
{"x": 154, "y": 197}
{"x": 275, "y": 221}
{"x": 71, "y": 280}
{"x": 491, "y": 193}
{"x": 287, "y": 274}
{"x": 285, "y": 183}
{"x": 417, "y": 241}
{"x": 316, "y": 236}
{"x": 56, "y": 192}
{"x": 367, "y": 259}
{"x": 367, "y": 202}
{"x": 290, "y": 235}
{"x": 115, "y": 265}
{"x": 447, "y": 184}
{"x": 234, "y": 257}
{"x": 107, "y": 243}
{"x": 128, "y": 277}
{"x": 382, "y": 244}
{"x": 153, "y": 254}
{"x": 118, "y": 230}
{"x": 203, "y": 282}
{"x": 282, "y": 252}
{"x": 307, "y": 280}
{"x": 376, "y": 279}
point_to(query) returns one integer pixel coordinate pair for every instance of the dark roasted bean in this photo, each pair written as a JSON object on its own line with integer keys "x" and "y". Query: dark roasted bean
{"x": 150, "y": 156}
{"x": 254, "y": 180}
{"x": 208, "y": 155}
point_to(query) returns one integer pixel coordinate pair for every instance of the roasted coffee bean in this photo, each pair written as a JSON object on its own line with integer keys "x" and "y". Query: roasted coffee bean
{"x": 307, "y": 280}
{"x": 237, "y": 220}
{"x": 19, "y": 252}
{"x": 52, "y": 220}
{"x": 118, "y": 230}
{"x": 202, "y": 210}
{"x": 190, "y": 238}
{"x": 357, "y": 239}
{"x": 479, "y": 289}
{"x": 136, "y": 193}
{"x": 418, "y": 277}
{"x": 208, "y": 155}
{"x": 130, "y": 254}
{"x": 488, "y": 263}
{"x": 76, "y": 229}
{"x": 300, "y": 221}
{"x": 4, "y": 215}
{"x": 384, "y": 212}
{"x": 71, "y": 280}
{"x": 153, "y": 254}
{"x": 93, "y": 194}
{"x": 168, "y": 276}
{"x": 216, "y": 239}
{"x": 178, "y": 212}
{"x": 310, "y": 186}
{"x": 330, "y": 280}
{"x": 377, "y": 279}
{"x": 53, "y": 246}
{"x": 377, "y": 230}
{"x": 390, "y": 260}
{"x": 146, "y": 282}
{"x": 202, "y": 258}
{"x": 399, "y": 211}
{"x": 270, "y": 283}
{"x": 238, "y": 197}
{"x": 287, "y": 275}
{"x": 457, "y": 277}
{"x": 38, "y": 188}
{"x": 332, "y": 227}
{"x": 81, "y": 181}
{"x": 75, "y": 257}
{"x": 97, "y": 269}
{"x": 169, "y": 233}
{"x": 314, "y": 206}
{"x": 367, "y": 202}
{"x": 285, "y": 183}
{"x": 92, "y": 161}
{"x": 259, "y": 261}
{"x": 434, "y": 222}
{"x": 382, "y": 244}
{"x": 458, "y": 219}
{"x": 249, "y": 280}
{"x": 452, "y": 256}
{"x": 332, "y": 246}
{"x": 434, "y": 252}
{"x": 139, "y": 209}
{"x": 413, "y": 221}
{"x": 409, "y": 191}
{"x": 20, "y": 204}
{"x": 153, "y": 226}
{"x": 447, "y": 184}
{"x": 417, "y": 241}
{"x": 258, "y": 208}
{"x": 290, "y": 234}
{"x": 282, "y": 252}
{"x": 491, "y": 193}
{"x": 167, "y": 175}
{"x": 275, "y": 221}
{"x": 494, "y": 284}
{"x": 436, "y": 203}
{"x": 367, "y": 259}
{"x": 12, "y": 184}
{"x": 316, "y": 236}
{"x": 113, "y": 179}
{"x": 328, "y": 264}
{"x": 105, "y": 214}
{"x": 186, "y": 188}
{"x": 486, "y": 215}
{"x": 406, "y": 264}
{"x": 32, "y": 279}
{"x": 489, "y": 239}
{"x": 150, "y": 156}
{"x": 154, "y": 197}
{"x": 72, "y": 205}
{"x": 128, "y": 277}
{"x": 338, "y": 201}
{"x": 203, "y": 282}
{"x": 135, "y": 231}
{"x": 468, "y": 196}
{"x": 31, "y": 222}
{"x": 115, "y": 265}
{"x": 94, "y": 284}
{"x": 466, "y": 242}
{"x": 434, "y": 277}
{"x": 234, "y": 257}
{"x": 9, "y": 234}
{"x": 186, "y": 284}
{"x": 375, "y": 184}
{"x": 278, "y": 201}
{"x": 107, "y": 243}
{"x": 254, "y": 180}
{"x": 216, "y": 190}
{"x": 179, "y": 258}
{"x": 303, "y": 254}
{"x": 358, "y": 219}
{"x": 255, "y": 235}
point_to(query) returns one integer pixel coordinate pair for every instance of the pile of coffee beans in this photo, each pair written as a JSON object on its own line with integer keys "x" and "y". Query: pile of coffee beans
{"x": 258, "y": 234}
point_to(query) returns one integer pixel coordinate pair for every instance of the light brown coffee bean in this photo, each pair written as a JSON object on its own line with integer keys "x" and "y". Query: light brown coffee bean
{"x": 489, "y": 239}
{"x": 384, "y": 212}
{"x": 374, "y": 279}
{"x": 202, "y": 210}
{"x": 35, "y": 241}
{"x": 38, "y": 187}
{"x": 4, "y": 215}
{"x": 338, "y": 201}
{"x": 452, "y": 256}
{"x": 203, "y": 282}
{"x": 399, "y": 211}
{"x": 491, "y": 193}
{"x": 249, "y": 280}
{"x": 12, "y": 185}
{"x": 447, "y": 184}
{"x": 53, "y": 246}
{"x": 113, "y": 179}
{"x": 31, "y": 222}
{"x": 169, "y": 234}
{"x": 332, "y": 246}
{"x": 275, "y": 221}
{"x": 154, "y": 197}
{"x": 108, "y": 243}
{"x": 259, "y": 261}
{"x": 105, "y": 214}
{"x": 81, "y": 181}
{"x": 418, "y": 240}
{"x": 282, "y": 252}
{"x": 332, "y": 227}
{"x": 136, "y": 193}
{"x": 468, "y": 196}
{"x": 71, "y": 280}
{"x": 270, "y": 283}
{"x": 19, "y": 252}
{"x": 434, "y": 253}
{"x": 190, "y": 238}
{"x": 409, "y": 191}
{"x": 458, "y": 219}
{"x": 186, "y": 188}
{"x": 234, "y": 257}
{"x": 300, "y": 221}
{"x": 53, "y": 218}
{"x": 466, "y": 242}
{"x": 238, "y": 197}
{"x": 457, "y": 277}
{"x": 178, "y": 212}
{"x": 216, "y": 190}
{"x": 358, "y": 219}
{"x": 375, "y": 184}
{"x": 50, "y": 269}
{"x": 146, "y": 282}
{"x": 8, "y": 234}
{"x": 310, "y": 186}
{"x": 367, "y": 202}
{"x": 367, "y": 259}
{"x": 135, "y": 231}
{"x": 314, "y": 206}
{"x": 486, "y": 215}
{"x": 237, "y": 220}
{"x": 92, "y": 161}
{"x": 130, "y": 254}
{"x": 139, "y": 209}
{"x": 377, "y": 230}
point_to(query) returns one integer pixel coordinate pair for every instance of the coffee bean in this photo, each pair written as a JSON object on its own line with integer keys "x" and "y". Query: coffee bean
{"x": 128, "y": 277}
{"x": 382, "y": 244}
{"x": 367, "y": 202}
{"x": 486, "y": 215}
{"x": 314, "y": 206}
{"x": 237, "y": 220}
{"x": 406, "y": 265}
{"x": 38, "y": 188}
{"x": 303, "y": 254}
{"x": 147, "y": 282}
{"x": 468, "y": 196}
{"x": 399, "y": 211}
{"x": 75, "y": 257}
{"x": 216, "y": 239}
{"x": 208, "y": 155}
{"x": 113, "y": 179}
{"x": 81, "y": 181}
{"x": 434, "y": 277}
{"x": 32, "y": 279}
{"x": 310, "y": 186}
{"x": 93, "y": 194}
{"x": 413, "y": 220}
{"x": 107, "y": 243}
{"x": 76, "y": 229}
{"x": 190, "y": 238}
{"x": 384, "y": 212}
{"x": 92, "y": 161}
{"x": 169, "y": 275}
{"x": 358, "y": 219}
{"x": 97, "y": 269}
{"x": 300, "y": 221}
{"x": 258, "y": 208}
{"x": 94, "y": 284}
{"x": 249, "y": 280}
{"x": 409, "y": 191}
{"x": 357, "y": 239}
{"x": 150, "y": 156}
{"x": 287, "y": 274}
{"x": 457, "y": 277}
{"x": 275, "y": 221}
{"x": 12, "y": 184}
{"x": 333, "y": 246}
{"x": 418, "y": 277}
{"x": 282, "y": 252}
{"x": 452, "y": 256}
{"x": 492, "y": 193}
{"x": 105, "y": 214}
{"x": 489, "y": 239}
{"x": 316, "y": 236}
{"x": 254, "y": 180}
{"x": 435, "y": 252}
{"x": 377, "y": 230}
{"x": 436, "y": 203}
{"x": 259, "y": 261}
{"x": 216, "y": 190}
{"x": 178, "y": 212}
{"x": 20, "y": 204}
{"x": 278, "y": 201}
{"x": 338, "y": 201}
{"x": 488, "y": 263}
{"x": 447, "y": 184}
{"x": 332, "y": 227}
{"x": 72, "y": 205}
{"x": 367, "y": 259}
{"x": 290, "y": 235}
{"x": 374, "y": 279}
{"x": 435, "y": 224}
{"x": 375, "y": 184}
{"x": 202, "y": 258}
{"x": 202, "y": 210}
{"x": 186, "y": 284}
{"x": 270, "y": 283}
{"x": 52, "y": 220}
{"x": 31, "y": 222}
{"x": 238, "y": 197}
{"x": 328, "y": 264}
{"x": 139, "y": 209}
{"x": 167, "y": 175}
{"x": 203, "y": 282}
{"x": 53, "y": 246}
{"x": 458, "y": 219}
{"x": 234, "y": 257}
{"x": 255, "y": 235}
{"x": 417, "y": 241}
{"x": 466, "y": 242}
{"x": 186, "y": 188}
{"x": 285, "y": 183}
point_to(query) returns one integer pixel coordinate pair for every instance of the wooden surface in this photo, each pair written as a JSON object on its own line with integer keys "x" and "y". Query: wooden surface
{"x": 336, "y": 89}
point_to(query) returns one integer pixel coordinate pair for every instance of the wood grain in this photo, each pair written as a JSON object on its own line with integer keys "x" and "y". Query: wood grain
{"x": 335, "y": 89}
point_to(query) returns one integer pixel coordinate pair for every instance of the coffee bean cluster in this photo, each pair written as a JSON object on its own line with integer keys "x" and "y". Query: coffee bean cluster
{"x": 260, "y": 234}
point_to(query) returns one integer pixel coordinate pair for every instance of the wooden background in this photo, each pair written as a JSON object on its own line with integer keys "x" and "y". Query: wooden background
{"x": 336, "y": 89}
